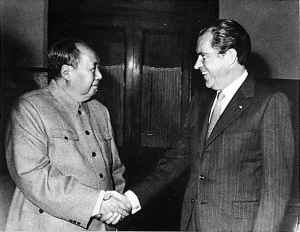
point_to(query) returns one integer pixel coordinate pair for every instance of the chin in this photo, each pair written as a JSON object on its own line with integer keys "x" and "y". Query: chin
{"x": 92, "y": 95}
{"x": 208, "y": 85}
{"x": 89, "y": 96}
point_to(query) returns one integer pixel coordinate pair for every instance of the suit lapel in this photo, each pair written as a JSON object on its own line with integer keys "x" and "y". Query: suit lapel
{"x": 240, "y": 101}
{"x": 200, "y": 117}
{"x": 204, "y": 119}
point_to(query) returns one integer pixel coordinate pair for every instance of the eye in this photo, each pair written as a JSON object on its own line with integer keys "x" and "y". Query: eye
{"x": 96, "y": 67}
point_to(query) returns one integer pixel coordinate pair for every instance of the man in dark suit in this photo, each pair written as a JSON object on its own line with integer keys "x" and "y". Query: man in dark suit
{"x": 240, "y": 162}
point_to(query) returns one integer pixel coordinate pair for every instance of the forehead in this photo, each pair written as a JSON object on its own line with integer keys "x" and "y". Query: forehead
{"x": 204, "y": 43}
{"x": 87, "y": 55}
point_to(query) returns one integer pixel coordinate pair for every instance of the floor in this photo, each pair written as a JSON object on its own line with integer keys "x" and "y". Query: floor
{"x": 7, "y": 188}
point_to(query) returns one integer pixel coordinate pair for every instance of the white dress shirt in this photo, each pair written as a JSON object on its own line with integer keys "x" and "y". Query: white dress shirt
{"x": 229, "y": 92}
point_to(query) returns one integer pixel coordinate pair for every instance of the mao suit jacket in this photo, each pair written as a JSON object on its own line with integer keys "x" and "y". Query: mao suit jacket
{"x": 60, "y": 155}
{"x": 240, "y": 177}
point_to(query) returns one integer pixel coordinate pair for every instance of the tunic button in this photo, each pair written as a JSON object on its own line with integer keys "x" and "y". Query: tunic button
{"x": 87, "y": 132}
{"x": 79, "y": 112}
{"x": 94, "y": 154}
{"x": 201, "y": 177}
{"x": 66, "y": 137}
{"x": 101, "y": 175}
{"x": 41, "y": 211}
{"x": 192, "y": 201}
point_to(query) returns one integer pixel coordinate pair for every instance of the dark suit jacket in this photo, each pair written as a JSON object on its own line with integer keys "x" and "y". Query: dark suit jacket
{"x": 240, "y": 178}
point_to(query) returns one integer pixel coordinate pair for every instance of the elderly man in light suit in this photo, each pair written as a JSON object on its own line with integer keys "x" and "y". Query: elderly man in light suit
{"x": 61, "y": 151}
{"x": 239, "y": 147}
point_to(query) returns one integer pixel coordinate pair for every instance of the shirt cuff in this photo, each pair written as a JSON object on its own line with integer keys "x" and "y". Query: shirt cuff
{"x": 135, "y": 203}
{"x": 98, "y": 203}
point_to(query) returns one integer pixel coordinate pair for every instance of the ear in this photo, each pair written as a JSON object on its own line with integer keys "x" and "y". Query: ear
{"x": 231, "y": 56}
{"x": 65, "y": 72}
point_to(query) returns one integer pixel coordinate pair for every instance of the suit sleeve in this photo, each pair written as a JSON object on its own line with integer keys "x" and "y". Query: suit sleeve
{"x": 174, "y": 162}
{"x": 277, "y": 148}
{"x": 31, "y": 168}
{"x": 170, "y": 167}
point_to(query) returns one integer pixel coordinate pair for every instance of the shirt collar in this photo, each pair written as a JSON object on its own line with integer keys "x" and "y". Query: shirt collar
{"x": 85, "y": 108}
{"x": 66, "y": 101}
{"x": 231, "y": 89}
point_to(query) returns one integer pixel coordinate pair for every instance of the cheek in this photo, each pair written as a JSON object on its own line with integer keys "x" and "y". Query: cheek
{"x": 83, "y": 86}
{"x": 88, "y": 79}
{"x": 208, "y": 64}
{"x": 212, "y": 67}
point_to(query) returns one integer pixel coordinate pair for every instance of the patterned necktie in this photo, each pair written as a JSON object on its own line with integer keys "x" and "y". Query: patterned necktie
{"x": 216, "y": 113}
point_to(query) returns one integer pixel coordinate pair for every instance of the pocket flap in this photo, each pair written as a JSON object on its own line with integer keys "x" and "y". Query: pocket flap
{"x": 63, "y": 134}
{"x": 106, "y": 136}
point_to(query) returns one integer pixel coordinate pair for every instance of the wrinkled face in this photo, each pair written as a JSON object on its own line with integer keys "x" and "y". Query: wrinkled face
{"x": 211, "y": 64}
{"x": 85, "y": 78}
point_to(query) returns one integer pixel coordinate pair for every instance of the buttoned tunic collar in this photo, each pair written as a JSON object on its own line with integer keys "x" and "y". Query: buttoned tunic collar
{"x": 72, "y": 107}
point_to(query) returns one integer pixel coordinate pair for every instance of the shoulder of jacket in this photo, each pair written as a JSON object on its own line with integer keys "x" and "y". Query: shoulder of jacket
{"x": 35, "y": 94}
{"x": 35, "y": 97}
{"x": 97, "y": 105}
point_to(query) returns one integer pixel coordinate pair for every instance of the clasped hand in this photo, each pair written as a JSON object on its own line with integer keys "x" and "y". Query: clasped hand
{"x": 114, "y": 207}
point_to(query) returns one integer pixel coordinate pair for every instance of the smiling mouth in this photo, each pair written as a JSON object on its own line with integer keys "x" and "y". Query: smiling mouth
{"x": 95, "y": 84}
{"x": 203, "y": 70}
{"x": 204, "y": 73}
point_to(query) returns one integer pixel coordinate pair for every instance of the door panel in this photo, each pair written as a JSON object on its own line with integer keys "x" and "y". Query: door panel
{"x": 161, "y": 88}
{"x": 109, "y": 44}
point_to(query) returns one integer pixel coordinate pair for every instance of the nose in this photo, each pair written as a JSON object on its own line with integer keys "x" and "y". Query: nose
{"x": 98, "y": 74}
{"x": 199, "y": 62}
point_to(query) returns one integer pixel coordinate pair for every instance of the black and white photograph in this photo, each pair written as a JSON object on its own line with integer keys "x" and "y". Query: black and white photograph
{"x": 150, "y": 115}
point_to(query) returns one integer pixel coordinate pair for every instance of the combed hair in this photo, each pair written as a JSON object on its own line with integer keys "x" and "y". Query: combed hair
{"x": 63, "y": 52}
{"x": 227, "y": 34}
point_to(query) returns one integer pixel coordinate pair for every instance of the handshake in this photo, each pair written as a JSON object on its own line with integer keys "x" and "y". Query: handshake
{"x": 114, "y": 208}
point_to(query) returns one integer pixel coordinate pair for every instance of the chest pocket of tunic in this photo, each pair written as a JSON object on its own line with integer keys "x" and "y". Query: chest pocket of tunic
{"x": 64, "y": 134}
{"x": 63, "y": 146}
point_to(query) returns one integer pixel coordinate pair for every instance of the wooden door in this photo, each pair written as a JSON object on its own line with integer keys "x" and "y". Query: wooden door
{"x": 145, "y": 49}
{"x": 110, "y": 45}
{"x": 143, "y": 73}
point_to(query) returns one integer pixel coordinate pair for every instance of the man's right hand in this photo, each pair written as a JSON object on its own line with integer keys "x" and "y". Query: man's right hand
{"x": 114, "y": 207}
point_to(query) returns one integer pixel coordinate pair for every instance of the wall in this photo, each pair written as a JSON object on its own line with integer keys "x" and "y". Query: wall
{"x": 24, "y": 33}
{"x": 273, "y": 26}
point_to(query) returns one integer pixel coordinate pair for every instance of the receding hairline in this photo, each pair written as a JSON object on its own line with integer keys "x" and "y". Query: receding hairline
{"x": 80, "y": 45}
{"x": 208, "y": 33}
